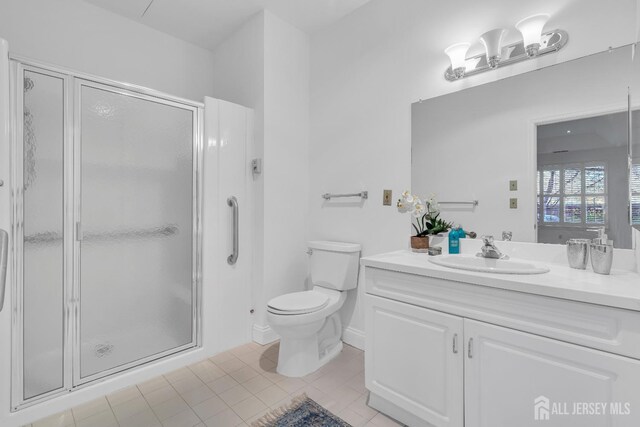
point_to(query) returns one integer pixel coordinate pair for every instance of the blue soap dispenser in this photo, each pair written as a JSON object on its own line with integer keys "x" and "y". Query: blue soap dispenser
{"x": 454, "y": 240}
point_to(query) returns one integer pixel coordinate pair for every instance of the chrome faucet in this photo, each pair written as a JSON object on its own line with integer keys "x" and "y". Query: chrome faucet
{"x": 489, "y": 250}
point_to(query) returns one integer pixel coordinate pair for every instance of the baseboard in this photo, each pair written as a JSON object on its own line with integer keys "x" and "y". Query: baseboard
{"x": 353, "y": 337}
{"x": 263, "y": 334}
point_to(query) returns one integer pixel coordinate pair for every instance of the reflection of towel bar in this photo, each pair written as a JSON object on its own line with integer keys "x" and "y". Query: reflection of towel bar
{"x": 362, "y": 194}
{"x": 473, "y": 203}
{"x": 51, "y": 237}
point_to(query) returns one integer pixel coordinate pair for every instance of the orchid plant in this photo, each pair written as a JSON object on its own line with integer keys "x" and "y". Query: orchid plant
{"x": 426, "y": 214}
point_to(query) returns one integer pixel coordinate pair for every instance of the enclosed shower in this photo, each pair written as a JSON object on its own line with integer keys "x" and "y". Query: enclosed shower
{"x": 107, "y": 229}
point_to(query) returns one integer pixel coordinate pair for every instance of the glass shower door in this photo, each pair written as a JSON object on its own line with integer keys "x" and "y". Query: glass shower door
{"x": 42, "y": 272}
{"x": 135, "y": 230}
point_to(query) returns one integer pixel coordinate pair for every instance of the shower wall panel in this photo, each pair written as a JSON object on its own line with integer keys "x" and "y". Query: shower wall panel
{"x": 42, "y": 249}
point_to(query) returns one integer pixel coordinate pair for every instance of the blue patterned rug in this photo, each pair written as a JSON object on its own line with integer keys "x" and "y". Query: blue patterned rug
{"x": 301, "y": 412}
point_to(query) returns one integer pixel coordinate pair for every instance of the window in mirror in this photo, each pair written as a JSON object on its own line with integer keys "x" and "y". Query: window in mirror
{"x": 583, "y": 169}
{"x": 635, "y": 194}
{"x": 573, "y": 195}
{"x": 551, "y": 200}
{"x": 594, "y": 179}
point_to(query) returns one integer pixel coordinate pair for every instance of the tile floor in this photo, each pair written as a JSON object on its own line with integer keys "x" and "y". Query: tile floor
{"x": 231, "y": 389}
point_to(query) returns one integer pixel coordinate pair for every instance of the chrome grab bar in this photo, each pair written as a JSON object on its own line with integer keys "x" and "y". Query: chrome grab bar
{"x": 362, "y": 194}
{"x": 470, "y": 202}
{"x": 233, "y": 203}
{"x": 4, "y": 248}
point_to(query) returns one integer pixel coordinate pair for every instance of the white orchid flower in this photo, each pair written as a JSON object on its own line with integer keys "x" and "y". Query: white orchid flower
{"x": 404, "y": 207}
{"x": 419, "y": 210}
{"x": 408, "y": 197}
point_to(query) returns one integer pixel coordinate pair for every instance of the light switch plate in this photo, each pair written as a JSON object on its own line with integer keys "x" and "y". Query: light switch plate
{"x": 256, "y": 167}
{"x": 513, "y": 203}
{"x": 386, "y": 197}
{"x": 513, "y": 185}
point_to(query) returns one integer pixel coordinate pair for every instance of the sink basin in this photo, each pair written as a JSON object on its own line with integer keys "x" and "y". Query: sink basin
{"x": 486, "y": 265}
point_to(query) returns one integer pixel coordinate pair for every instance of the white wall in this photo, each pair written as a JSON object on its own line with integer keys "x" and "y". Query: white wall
{"x": 368, "y": 68}
{"x": 86, "y": 38}
{"x": 265, "y": 65}
{"x": 238, "y": 76}
{"x": 76, "y": 35}
{"x": 286, "y": 160}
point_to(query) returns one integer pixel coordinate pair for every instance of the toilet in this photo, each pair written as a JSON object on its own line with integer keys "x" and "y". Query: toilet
{"x": 308, "y": 322}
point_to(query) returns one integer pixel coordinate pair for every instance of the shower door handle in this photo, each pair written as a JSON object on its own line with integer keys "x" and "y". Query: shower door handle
{"x": 233, "y": 203}
{"x": 4, "y": 249}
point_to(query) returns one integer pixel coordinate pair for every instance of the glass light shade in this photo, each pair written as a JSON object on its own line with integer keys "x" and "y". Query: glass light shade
{"x": 531, "y": 29}
{"x": 458, "y": 55}
{"x": 492, "y": 41}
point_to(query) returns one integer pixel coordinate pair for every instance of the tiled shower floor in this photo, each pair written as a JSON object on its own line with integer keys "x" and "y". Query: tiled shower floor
{"x": 233, "y": 388}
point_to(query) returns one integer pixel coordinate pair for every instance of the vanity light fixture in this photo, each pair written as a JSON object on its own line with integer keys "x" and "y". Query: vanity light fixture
{"x": 492, "y": 41}
{"x": 457, "y": 54}
{"x": 534, "y": 43}
{"x": 531, "y": 29}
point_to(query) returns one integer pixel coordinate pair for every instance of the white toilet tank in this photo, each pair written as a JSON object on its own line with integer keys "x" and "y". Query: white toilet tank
{"x": 334, "y": 265}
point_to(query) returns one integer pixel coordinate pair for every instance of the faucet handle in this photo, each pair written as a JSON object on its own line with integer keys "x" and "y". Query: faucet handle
{"x": 507, "y": 236}
{"x": 487, "y": 240}
{"x": 602, "y": 234}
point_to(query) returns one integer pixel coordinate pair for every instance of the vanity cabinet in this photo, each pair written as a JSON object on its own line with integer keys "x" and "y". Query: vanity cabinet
{"x": 436, "y": 359}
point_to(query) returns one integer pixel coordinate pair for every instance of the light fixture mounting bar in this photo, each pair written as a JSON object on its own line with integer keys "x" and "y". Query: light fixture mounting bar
{"x": 551, "y": 41}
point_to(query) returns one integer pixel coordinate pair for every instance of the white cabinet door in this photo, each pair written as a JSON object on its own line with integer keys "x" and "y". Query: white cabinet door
{"x": 512, "y": 378}
{"x": 411, "y": 361}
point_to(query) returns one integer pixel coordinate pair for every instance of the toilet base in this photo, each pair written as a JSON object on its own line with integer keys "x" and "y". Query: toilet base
{"x": 295, "y": 360}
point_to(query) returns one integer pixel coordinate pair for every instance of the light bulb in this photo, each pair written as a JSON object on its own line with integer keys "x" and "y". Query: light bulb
{"x": 492, "y": 41}
{"x": 458, "y": 56}
{"x": 531, "y": 29}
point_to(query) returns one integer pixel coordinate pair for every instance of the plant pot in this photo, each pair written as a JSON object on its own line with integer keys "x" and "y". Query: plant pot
{"x": 437, "y": 239}
{"x": 419, "y": 244}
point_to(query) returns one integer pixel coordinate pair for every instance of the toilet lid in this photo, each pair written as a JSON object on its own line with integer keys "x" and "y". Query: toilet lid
{"x": 298, "y": 303}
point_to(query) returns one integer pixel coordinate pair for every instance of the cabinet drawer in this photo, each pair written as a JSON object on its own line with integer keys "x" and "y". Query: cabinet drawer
{"x": 606, "y": 328}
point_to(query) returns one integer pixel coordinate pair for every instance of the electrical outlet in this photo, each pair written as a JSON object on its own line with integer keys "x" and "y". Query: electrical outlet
{"x": 386, "y": 197}
{"x": 513, "y": 203}
{"x": 513, "y": 185}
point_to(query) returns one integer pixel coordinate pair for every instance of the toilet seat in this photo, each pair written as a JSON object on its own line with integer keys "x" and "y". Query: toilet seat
{"x": 298, "y": 303}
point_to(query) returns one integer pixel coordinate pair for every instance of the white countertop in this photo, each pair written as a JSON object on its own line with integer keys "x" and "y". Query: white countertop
{"x": 620, "y": 289}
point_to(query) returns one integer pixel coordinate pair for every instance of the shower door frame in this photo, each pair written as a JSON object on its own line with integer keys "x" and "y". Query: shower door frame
{"x": 72, "y": 164}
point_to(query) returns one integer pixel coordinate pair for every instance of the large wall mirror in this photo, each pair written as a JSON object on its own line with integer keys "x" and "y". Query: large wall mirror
{"x": 634, "y": 137}
{"x": 546, "y": 154}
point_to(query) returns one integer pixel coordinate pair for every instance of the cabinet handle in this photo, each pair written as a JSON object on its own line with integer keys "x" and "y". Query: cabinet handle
{"x": 79, "y": 235}
{"x": 455, "y": 343}
{"x": 470, "y": 349}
